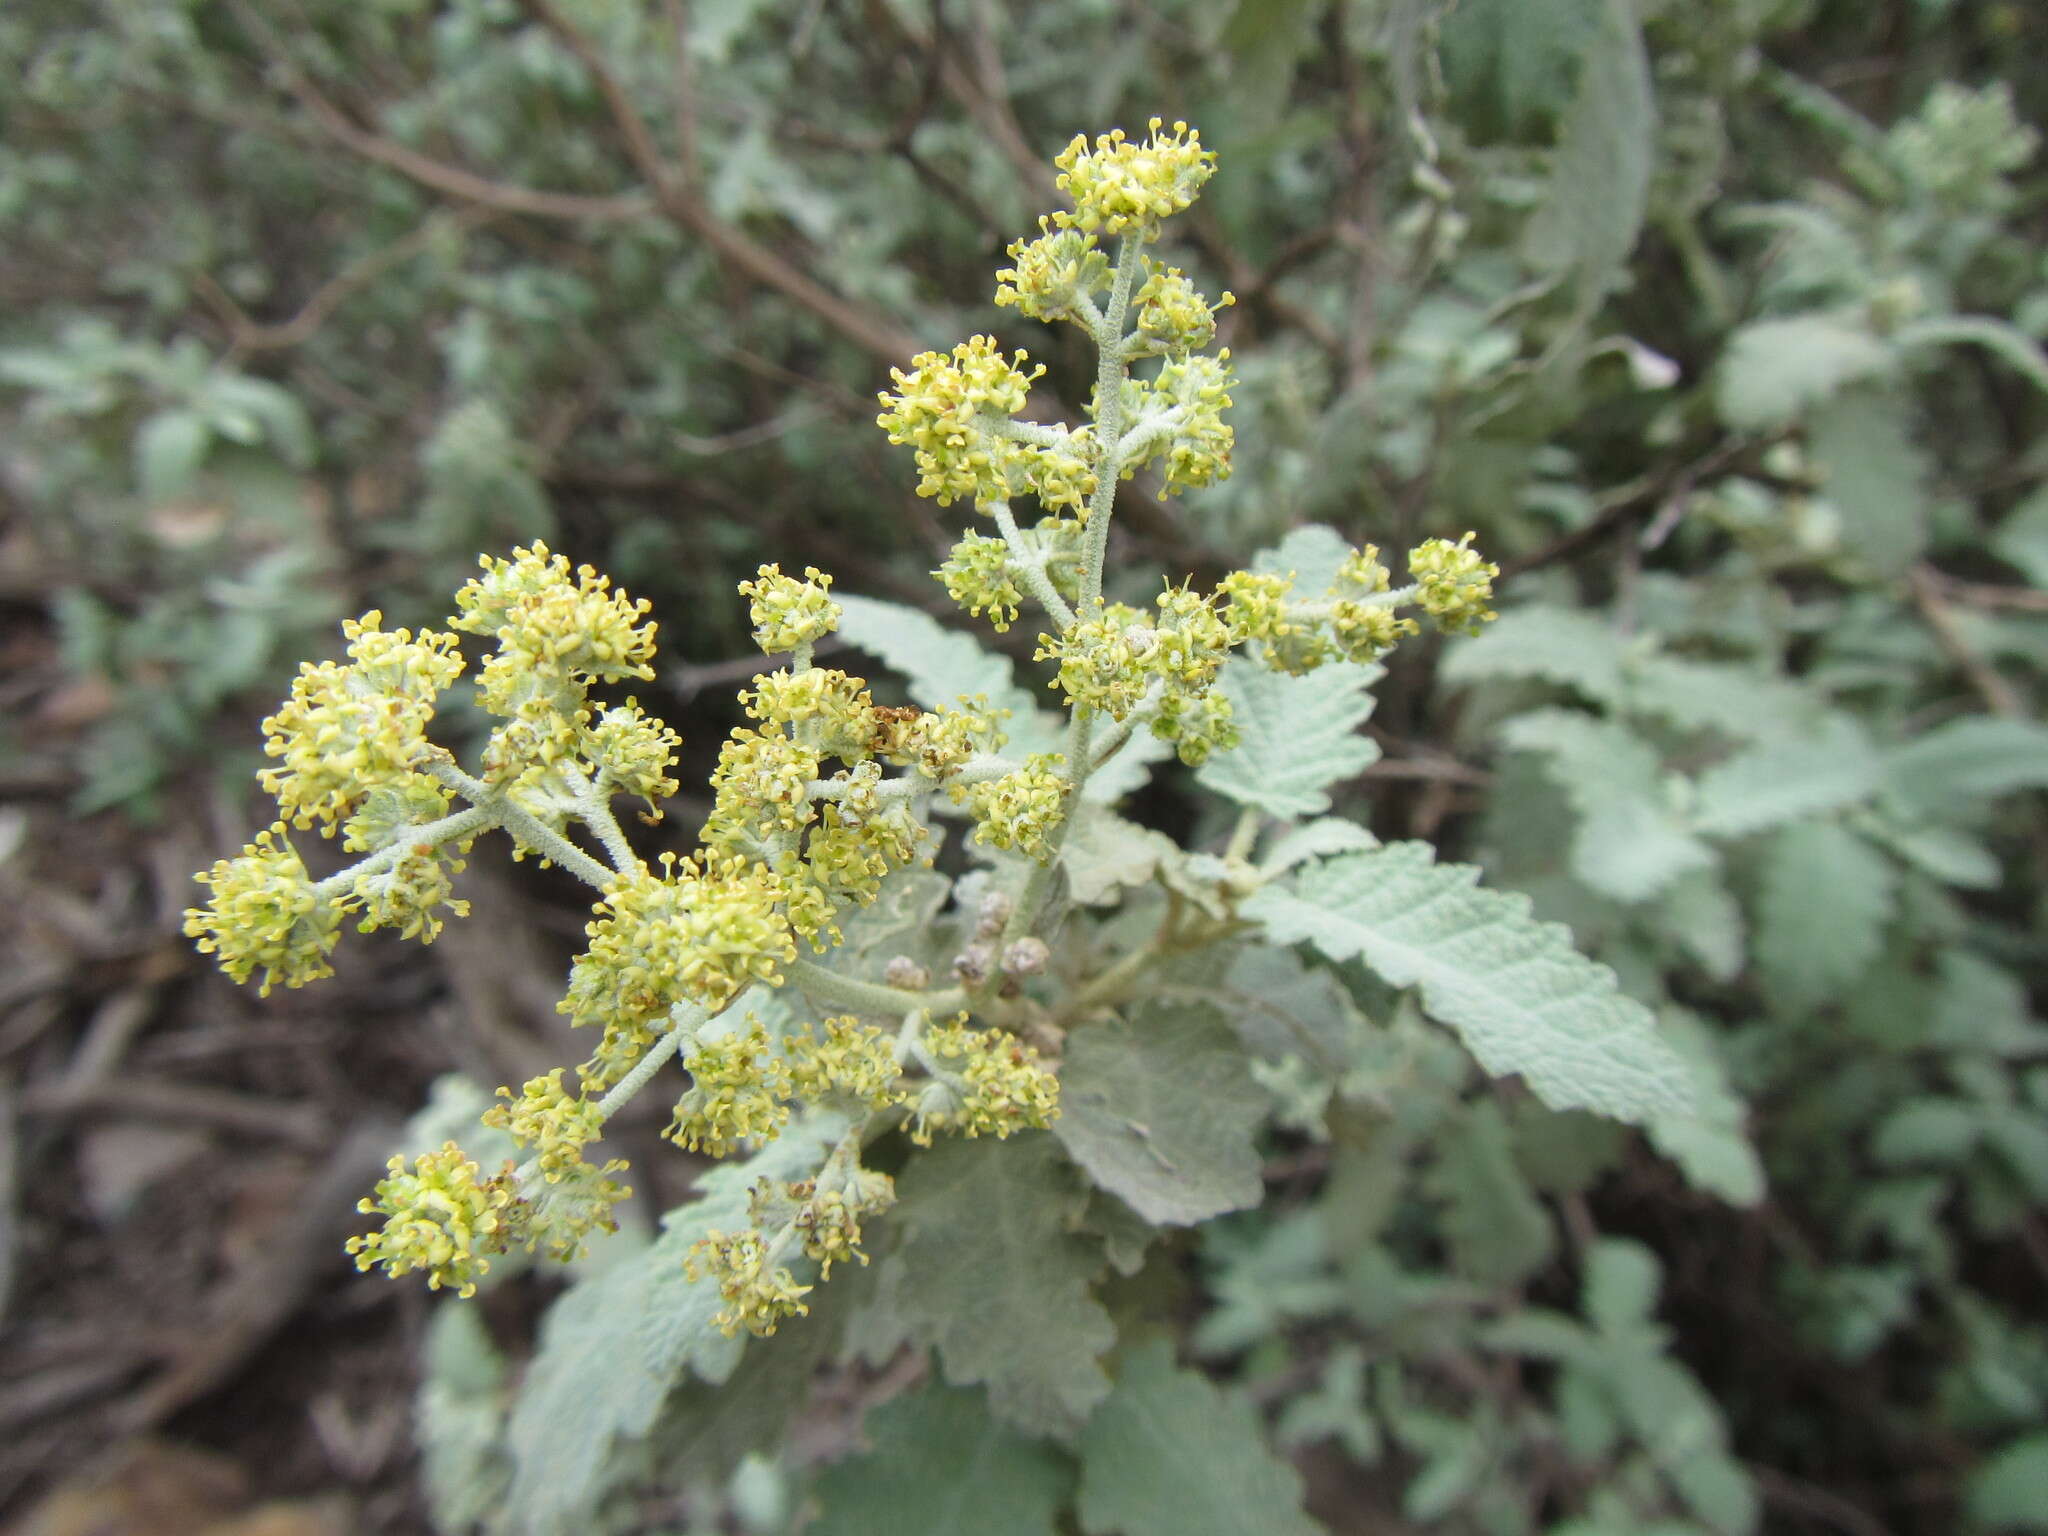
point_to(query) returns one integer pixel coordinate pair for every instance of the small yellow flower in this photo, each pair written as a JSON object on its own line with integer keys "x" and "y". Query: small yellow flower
{"x": 737, "y": 1093}
{"x": 1121, "y": 186}
{"x": 758, "y": 1294}
{"x": 851, "y": 1062}
{"x": 1456, "y": 584}
{"x": 1021, "y": 809}
{"x": 266, "y": 915}
{"x": 439, "y": 1217}
{"x": 788, "y": 613}
{"x": 1002, "y": 1086}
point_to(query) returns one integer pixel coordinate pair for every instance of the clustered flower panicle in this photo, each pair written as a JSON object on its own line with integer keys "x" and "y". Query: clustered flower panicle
{"x": 819, "y": 797}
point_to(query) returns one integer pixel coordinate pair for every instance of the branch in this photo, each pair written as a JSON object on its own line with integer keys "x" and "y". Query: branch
{"x": 424, "y": 169}
{"x": 249, "y": 335}
{"x": 1999, "y": 696}
{"x": 678, "y": 196}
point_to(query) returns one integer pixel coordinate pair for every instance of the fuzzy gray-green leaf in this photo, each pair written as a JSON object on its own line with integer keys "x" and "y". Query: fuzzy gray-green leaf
{"x": 938, "y": 1465}
{"x": 989, "y": 1271}
{"x": 1516, "y": 991}
{"x": 1297, "y": 736}
{"x": 1154, "y": 1110}
{"x": 1169, "y": 1454}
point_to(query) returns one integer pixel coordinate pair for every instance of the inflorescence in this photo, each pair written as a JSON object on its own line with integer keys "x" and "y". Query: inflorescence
{"x": 819, "y": 797}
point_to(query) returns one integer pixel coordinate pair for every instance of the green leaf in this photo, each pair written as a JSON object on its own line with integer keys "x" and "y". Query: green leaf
{"x": 1706, "y": 921}
{"x": 283, "y": 420}
{"x": 2005, "y": 1492}
{"x": 1314, "y": 840}
{"x": 1282, "y": 1007}
{"x": 1517, "y": 992}
{"x": 1876, "y": 475}
{"x": 1781, "y": 781}
{"x": 1498, "y": 1231}
{"x": 1311, "y": 554}
{"x": 1774, "y": 371}
{"x": 1630, "y": 843}
{"x": 585, "y": 1387}
{"x": 1978, "y": 757}
{"x": 169, "y": 448}
{"x": 1154, "y": 1110}
{"x": 1739, "y": 702}
{"x": 938, "y": 1465}
{"x": 1169, "y": 1454}
{"x": 1712, "y": 1144}
{"x": 1824, "y": 897}
{"x": 989, "y": 1270}
{"x": 1105, "y": 854}
{"x": 1931, "y": 1130}
{"x": 615, "y": 1345}
{"x": 1555, "y": 645}
{"x": 2022, "y": 539}
{"x": 1299, "y": 735}
{"x": 457, "y": 1419}
{"x": 1511, "y": 62}
{"x": 1592, "y": 209}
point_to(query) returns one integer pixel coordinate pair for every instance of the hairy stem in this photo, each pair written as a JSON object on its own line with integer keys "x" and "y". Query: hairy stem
{"x": 689, "y": 1018}
{"x": 522, "y": 824}
{"x": 821, "y": 985}
{"x": 448, "y": 829}
{"x": 592, "y": 806}
{"x": 1031, "y": 566}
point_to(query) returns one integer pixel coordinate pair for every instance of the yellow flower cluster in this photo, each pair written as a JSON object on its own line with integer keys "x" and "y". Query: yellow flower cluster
{"x": 440, "y": 1217}
{"x": 761, "y": 784}
{"x": 266, "y": 915}
{"x": 851, "y": 1065}
{"x": 999, "y": 1087}
{"x": 408, "y": 893}
{"x": 1195, "y": 390}
{"x": 759, "y": 1293}
{"x": 348, "y": 729}
{"x": 634, "y": 751}
{"x": 1061, "y": 475}
{"x": 1122, "y": 186}
{"x": 788, "y": 613}
{"x": 978, "y": 577}
{"x": 1456, "y": 584}
{"x": 1119, "y": 660}
{"x": 554, "y": 1122}
{"x": 697, "y": 933}
{"x": 737, "y": 1089}
{"x": 558, "y": 632}
{"x": 831, "y": 712}
{"x": 1358, "y": 616}
{"x": 1056, "y": 276}
{"x": 1174, "y": 317}
{"x": 945, "y": 409}
{"x": 1021, "y": 809}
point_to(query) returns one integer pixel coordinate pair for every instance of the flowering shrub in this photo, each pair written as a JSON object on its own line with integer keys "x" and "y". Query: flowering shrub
{"x": 1006, "y": 1081}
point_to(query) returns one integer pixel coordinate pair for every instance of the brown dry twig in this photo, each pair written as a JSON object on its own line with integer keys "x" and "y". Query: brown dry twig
{"x": 1937, "y": 613}
{"x": 246, "y": 334}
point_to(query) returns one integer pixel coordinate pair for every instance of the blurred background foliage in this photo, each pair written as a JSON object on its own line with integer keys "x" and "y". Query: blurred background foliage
{"x": 1718, "y": 320}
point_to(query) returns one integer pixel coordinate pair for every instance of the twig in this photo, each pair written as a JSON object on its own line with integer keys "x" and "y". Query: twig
{"x": 424, "y": 169}
{"x": 678, "y": 196}
{"x": 249, "y": 335}
{"x": 1999, "y": 696}
{"x": 158, "y": 1099}
{"x": 1817, "y": 1502}
{"x": 1662, "y": 489}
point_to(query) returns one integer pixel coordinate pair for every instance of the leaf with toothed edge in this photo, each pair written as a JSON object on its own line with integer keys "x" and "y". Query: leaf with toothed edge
{"x": 1515, "y": 990}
